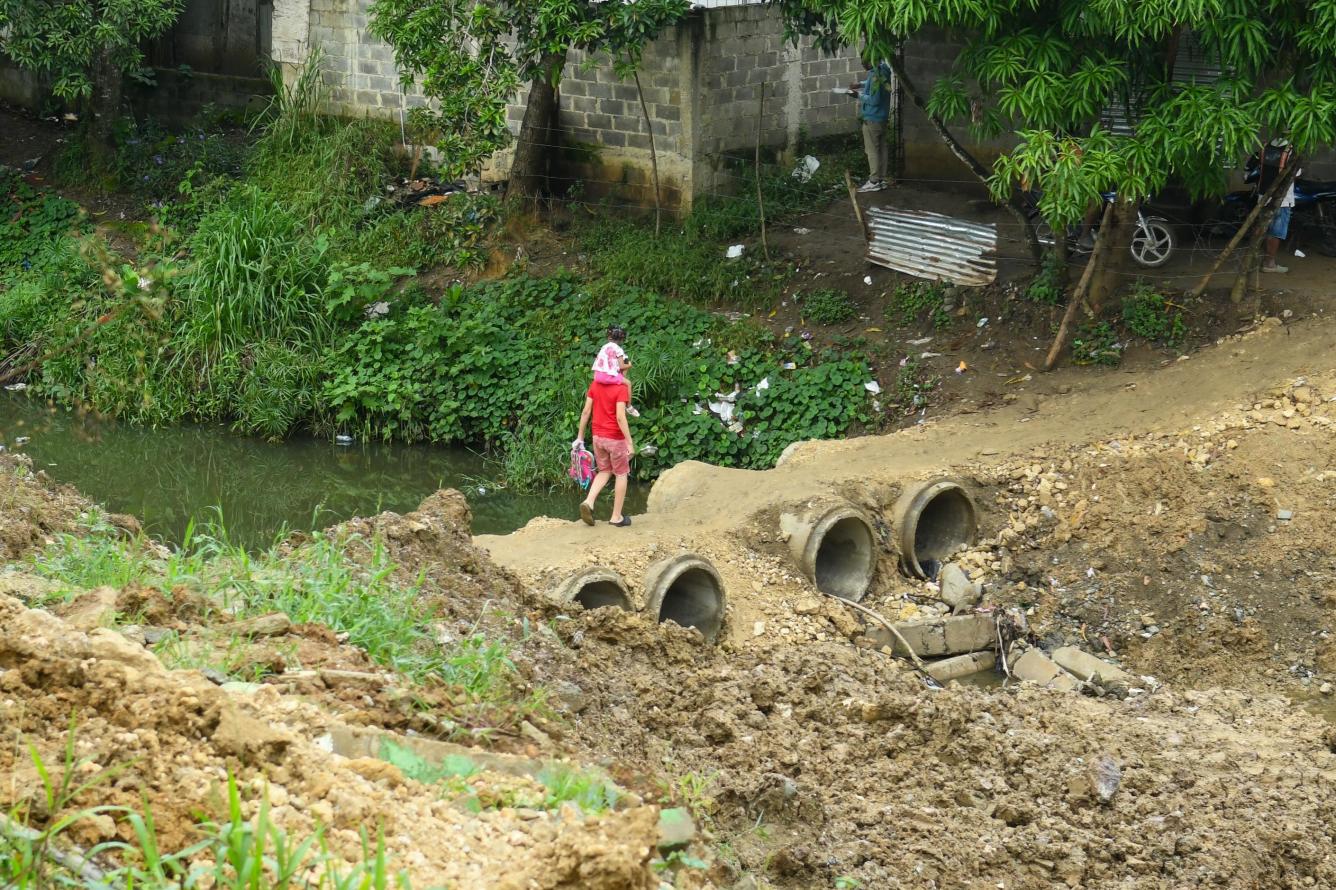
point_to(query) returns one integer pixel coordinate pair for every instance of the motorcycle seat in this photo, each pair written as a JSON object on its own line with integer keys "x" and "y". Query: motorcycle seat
{"x": 1314, "y": 187}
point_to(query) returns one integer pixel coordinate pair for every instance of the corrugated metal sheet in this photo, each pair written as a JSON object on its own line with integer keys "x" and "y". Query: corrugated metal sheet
{"x": 932, "y": 246}
{"x": 1194, "y": 64}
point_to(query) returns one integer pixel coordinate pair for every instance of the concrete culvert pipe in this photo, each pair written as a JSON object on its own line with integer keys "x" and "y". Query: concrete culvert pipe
{"x": 932, "y": 520}
{"x": 687, "y": 590}
{"x": 595, "y": 588}
{"x": 835, "y": 547}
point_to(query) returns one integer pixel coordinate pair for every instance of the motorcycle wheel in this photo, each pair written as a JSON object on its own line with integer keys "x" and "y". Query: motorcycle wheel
{"x": 1153, "y": 243}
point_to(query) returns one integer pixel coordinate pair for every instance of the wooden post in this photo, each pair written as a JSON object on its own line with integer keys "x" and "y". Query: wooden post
{"x": 760, "y": 200}
{"x": 858, "y": 211}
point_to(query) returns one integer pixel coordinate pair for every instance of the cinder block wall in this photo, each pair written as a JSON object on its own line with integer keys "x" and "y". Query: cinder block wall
{"x": 701, "y": 83}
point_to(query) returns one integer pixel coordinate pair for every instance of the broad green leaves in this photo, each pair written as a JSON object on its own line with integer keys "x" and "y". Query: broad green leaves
{"x": 66, "y": 39}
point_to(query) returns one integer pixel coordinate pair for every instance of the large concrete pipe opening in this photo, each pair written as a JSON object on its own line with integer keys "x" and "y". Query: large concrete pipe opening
{"x": 835, "y": 547}
{"x": 686, "y": 590}
{"x": 932, "y": 521}
{"x": 594, "y": 589}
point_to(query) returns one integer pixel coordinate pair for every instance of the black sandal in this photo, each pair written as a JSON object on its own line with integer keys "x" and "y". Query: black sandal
{"x": 626, "y": 520}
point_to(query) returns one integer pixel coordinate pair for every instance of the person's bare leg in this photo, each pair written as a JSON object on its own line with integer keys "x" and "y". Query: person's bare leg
{"x": 618, "y": 498}
{"x": 1272, "y": 248}
{"x": 600, "y": 480}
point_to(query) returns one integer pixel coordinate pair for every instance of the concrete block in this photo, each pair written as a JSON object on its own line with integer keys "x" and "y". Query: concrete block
{"x": 953, "y": 635}
{"x": 1036, "y": 667}
{"x": 1084, "y": 665}
{"x": 367, "y": 99}
{"x": 612, "y": 106}
{"x": 599, "y": 121}
{"x": 666, "y": 112}
{"x": 966, "y": 633}
{"x": 629, "y": 123}
{"x": 961, "y": 666}
{"x": 612, "y": 138}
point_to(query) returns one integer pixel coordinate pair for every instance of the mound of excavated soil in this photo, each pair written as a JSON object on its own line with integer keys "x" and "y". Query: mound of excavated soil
{"x": 174, "y": 737}
{"x": 826, "y": 760}
{"x": 32, "y": 507}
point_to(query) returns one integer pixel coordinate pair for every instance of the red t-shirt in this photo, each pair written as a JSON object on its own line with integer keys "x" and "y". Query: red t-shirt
{"x": 606, "y": 396}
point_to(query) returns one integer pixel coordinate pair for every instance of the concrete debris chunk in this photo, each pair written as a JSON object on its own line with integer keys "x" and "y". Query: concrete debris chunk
{"x": 1087, "y": 667}
{"x": 961, "y": 666}
{"x": 958, "y": 591}
{"x": 1036, "y": 667}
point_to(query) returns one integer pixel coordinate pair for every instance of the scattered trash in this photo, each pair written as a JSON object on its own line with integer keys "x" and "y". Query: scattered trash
{"x": 342, "y": 439}
{"x": 377, "y": 309}
{"x": 762, "y": 386}
{"x": 806, "y": 167}
{"x": 734, "y": 252}
{"x": 22, "y": 440}
{"x": 962, "y": 368}
{"x": 867, "y": 279}
{"x": 1300, "y": 254}
{"x": 982, "y": 322}
{"x": 920, "y": 341}
{"x": 732, "y": 358}
{"x": 1284, "y": 515}
{"x": 16, "y": 387}
{"x": 931, "y": 355}
{"x": 873, "y": 387}
{"x": 649, "y": 450}
{"x": 790, "y": 366}
{"x": 802, "y": 230}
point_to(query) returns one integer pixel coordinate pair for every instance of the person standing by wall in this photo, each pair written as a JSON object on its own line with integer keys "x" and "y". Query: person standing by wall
{"x": 874, "y": 110}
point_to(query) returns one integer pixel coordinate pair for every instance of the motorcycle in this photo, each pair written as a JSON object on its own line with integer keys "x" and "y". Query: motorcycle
{"x": 1153, "y": 238}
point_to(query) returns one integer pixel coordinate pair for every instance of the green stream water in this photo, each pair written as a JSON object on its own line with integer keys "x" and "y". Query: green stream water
{"x": 167, "y": 477}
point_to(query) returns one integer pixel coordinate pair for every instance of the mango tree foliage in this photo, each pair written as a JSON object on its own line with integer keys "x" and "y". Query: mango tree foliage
{"x": 76, "y": 42}
{"x": 471, "y": 57}
{"x": 1046, "y": 70}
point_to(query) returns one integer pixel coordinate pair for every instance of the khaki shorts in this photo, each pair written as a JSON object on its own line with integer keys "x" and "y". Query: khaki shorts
{"x": 612, "y": 454}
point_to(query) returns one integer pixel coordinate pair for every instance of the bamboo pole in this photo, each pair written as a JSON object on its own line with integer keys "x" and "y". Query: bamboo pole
{"x": 760, "y": 200}
{"x": 1078, "y": 295}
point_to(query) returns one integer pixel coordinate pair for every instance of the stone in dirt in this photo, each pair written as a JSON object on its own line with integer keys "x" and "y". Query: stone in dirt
{"x": 958, "y": 591}
{"x": 676, "y": 829}
{"x": 1036, "y": 667}
{"x": 94, "y": 609}
{"x": 275, "y": 624}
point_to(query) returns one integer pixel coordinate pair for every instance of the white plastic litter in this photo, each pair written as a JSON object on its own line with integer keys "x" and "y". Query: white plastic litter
{"x": 802, "y": 230}
{"x": 1300, "y": 254}
{"x": 982, "y": 322}
{"x": 734, "y": 252}
{"x": 920, "y": 341}
{"x": 16, "y": 387}
{"x": 762, "y": 386}
{"x": 867, "y": 279}
{"x": 873, "y": 387}
{"x": 806, "y": 167}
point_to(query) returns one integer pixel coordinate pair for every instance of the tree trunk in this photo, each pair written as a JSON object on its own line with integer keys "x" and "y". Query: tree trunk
{"x": 106, "y": 106}
{"x": 653, "y": 155}
{"x": 1079, "y": 295}
{"x": 536, "y": 132}
{"x": 1266, "y": 205}
{"x": 1108, "y": 274}
{"x": 1013, "y": 205}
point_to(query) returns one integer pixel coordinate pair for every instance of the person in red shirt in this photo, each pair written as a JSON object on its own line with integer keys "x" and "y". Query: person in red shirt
{"x": 605, "y": 404}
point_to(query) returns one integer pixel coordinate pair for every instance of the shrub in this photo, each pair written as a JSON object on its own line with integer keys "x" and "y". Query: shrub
{"x": 1149, "y": 314}
{"x": 506, "y": 364}
{"x": 913, "y": 302}
{"x": 1096, "y": 343}
{"x": 1046, "y": 287}
{"x": 828, "y": 307}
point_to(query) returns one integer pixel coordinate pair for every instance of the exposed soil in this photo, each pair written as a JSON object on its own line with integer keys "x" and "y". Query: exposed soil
{"x": 805, "y": 756}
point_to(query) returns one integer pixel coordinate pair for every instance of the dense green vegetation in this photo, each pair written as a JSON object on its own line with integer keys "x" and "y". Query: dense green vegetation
{"x": 279, "y": 293}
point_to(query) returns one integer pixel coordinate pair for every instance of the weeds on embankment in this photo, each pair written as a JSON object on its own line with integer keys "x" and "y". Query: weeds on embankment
{"x": 237, "y": 853}
{"x": 318, "y": 582}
